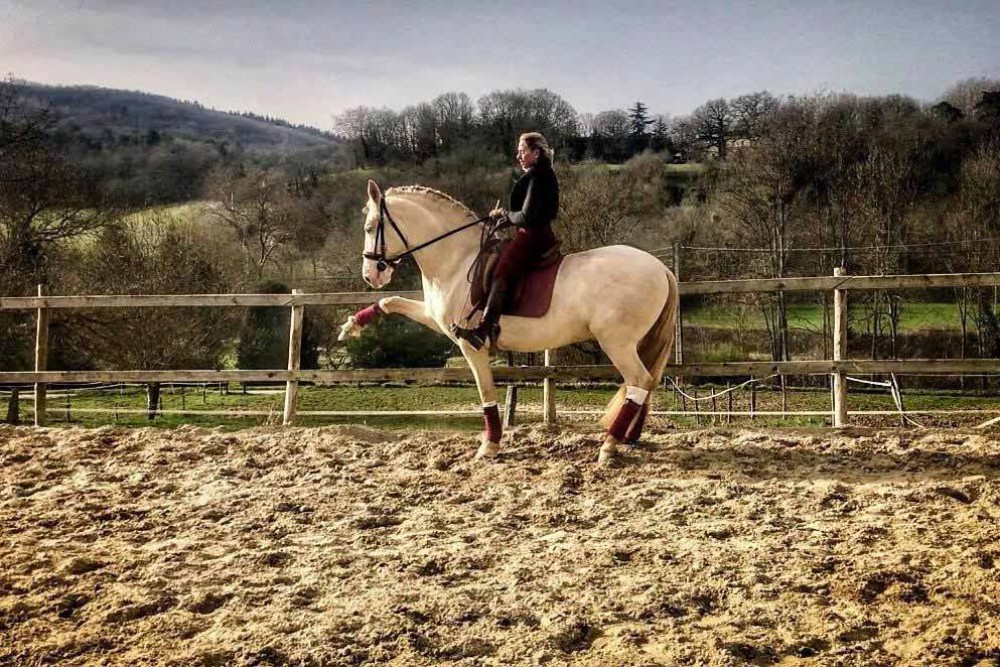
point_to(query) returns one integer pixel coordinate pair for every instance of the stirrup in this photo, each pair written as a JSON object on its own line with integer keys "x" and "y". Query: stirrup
{"x": 477, "y": 335}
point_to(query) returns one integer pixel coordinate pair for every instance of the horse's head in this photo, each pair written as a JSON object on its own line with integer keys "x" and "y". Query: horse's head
{"x": 381, "y": 242}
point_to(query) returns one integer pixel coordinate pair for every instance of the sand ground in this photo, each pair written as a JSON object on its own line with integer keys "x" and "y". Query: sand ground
{"x": 352, "y": 546}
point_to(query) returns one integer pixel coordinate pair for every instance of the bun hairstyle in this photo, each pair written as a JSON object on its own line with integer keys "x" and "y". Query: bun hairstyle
{"x": 535, "y": 140}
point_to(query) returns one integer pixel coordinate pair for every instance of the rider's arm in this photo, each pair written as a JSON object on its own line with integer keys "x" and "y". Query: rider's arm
{"x": 541, "y": 202}
{"x": 525, "y": 217}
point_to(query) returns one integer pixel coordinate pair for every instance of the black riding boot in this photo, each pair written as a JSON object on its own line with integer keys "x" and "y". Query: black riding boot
{"x": 488, "y": 327}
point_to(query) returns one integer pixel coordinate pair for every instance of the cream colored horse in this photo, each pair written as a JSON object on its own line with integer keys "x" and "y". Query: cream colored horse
{"x": 624, "y": 298}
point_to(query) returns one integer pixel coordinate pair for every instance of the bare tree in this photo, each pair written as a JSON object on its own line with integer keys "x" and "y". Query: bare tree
{"x": 599, "y": 207}
{"x": 713, "y": 123}
{"x": 256, "y": 206}
{"x": 979, "y": 220}
{"x": 886, "y": 189}
{"x": 749, "y": 111}
{"x": 965, "y": 94}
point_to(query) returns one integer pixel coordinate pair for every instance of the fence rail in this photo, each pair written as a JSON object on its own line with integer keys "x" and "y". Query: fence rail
{"x": 514, "y": 374}
{"x": 837, "y": 368}
{"x": 819, "y": 283}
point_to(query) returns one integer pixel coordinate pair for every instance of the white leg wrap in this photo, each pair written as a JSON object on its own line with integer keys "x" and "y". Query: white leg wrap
{"x": 488, "y": 405}
{"x": 636, "y": 394}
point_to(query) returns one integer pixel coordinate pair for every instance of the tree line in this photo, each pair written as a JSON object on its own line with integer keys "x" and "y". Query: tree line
{"x": 872, "y": 180}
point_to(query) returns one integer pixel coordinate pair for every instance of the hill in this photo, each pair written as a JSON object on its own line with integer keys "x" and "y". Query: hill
{"x": 103, "y": 112}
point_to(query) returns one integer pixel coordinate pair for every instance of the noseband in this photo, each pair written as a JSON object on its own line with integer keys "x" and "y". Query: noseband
{"x": 379, "y": 255}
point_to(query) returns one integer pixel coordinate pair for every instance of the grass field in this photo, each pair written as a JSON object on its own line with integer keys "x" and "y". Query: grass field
{"x": 465, "y": 398}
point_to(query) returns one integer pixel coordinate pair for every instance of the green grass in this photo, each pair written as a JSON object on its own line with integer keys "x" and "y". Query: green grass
{"x": 406, "y": 398}
{"x": 915, "y": 316}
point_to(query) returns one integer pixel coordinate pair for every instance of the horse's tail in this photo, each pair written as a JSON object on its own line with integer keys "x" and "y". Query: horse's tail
{"x": 654, "y": 349}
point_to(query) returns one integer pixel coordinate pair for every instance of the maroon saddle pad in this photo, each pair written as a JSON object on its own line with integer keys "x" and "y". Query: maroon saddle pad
{"x": 533, "y": 295}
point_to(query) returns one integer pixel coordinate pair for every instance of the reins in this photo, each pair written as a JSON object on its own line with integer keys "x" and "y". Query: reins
{"x": 385, "y": 262}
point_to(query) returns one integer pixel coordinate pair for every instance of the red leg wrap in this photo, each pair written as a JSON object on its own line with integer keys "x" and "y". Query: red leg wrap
{"x": 635, "y": 430}
{"x": 366, "y": 316}
{"x": 623, "y": 419}
{"x": 491, "y": 416}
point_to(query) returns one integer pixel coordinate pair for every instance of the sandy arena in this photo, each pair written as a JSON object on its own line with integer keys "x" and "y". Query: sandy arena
{"x": 351, "y": 546}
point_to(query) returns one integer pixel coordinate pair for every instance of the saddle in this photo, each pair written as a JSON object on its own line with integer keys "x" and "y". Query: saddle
{"x": 531, "y": 296}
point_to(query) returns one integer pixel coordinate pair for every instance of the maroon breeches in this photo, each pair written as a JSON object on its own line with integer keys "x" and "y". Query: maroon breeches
{"x": 527, "y": 247}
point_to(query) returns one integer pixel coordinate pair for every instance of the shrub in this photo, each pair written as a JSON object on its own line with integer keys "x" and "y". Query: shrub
{"x": 398, "y": 342}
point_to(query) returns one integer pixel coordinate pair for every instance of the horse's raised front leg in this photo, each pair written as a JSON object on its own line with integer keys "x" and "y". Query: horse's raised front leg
{"x": 479, "y": 362}
{"x": 415, "y": 310}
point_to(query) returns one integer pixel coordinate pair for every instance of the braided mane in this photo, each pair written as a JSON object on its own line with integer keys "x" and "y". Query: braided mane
{"x": 423, "y": 190}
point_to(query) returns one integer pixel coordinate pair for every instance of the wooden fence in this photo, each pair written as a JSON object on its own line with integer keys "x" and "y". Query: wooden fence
{"x": 838, "y": 367}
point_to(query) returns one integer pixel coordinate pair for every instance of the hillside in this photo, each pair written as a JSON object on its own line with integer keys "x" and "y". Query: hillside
{"x": 96, "y": 112}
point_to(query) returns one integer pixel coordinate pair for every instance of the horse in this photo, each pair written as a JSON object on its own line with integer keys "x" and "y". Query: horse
{"x": 623, "y": 297}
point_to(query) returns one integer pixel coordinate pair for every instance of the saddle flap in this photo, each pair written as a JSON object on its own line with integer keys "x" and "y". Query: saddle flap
{"x": 531, "y": 296}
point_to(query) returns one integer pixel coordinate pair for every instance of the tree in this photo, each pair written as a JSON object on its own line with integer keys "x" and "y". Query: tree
{"x": 455, "y": 120}
{"x": 44, "y": 204}
{"x": 979, "y": 219}
{"x": 505, "y": 114}
{"x": 988, "y": 107}
{"x": 659, "y": 139}
{"x": 149, "y": 255}
{"x": 599, "y": 207}
{"x": 885, "y": 183}
{"x": 684, "y": 137}
{"x": 947, "y": 112}
{"x": 713, "y": 126}
{"x": 639, "y": 122}
{"x": 264, "y": 335}
{"x": 749, "y": 111}
{"x": 965, "y": 94}
{"x": 763, "y": 191}
{"x": 43, "y": 199}
{"x": 256, "y": 206}
{"x": 609, "y": 136}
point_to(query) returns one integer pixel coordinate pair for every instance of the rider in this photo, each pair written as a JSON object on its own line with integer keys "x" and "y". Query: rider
{"x": 534, "y": 204}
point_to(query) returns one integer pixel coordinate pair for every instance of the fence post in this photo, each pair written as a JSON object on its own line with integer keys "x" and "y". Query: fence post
{"x": 294, "y": 362}
{"x": 510, "y": 405}
{"x": 14, "y": 407}
{"x": 839, "y": 351}
{"x": 548, "y": 394}
{"x": 679, "y": 330}
{"x": 41, "y": 359}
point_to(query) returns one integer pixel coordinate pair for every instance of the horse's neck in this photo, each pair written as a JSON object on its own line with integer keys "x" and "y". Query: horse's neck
{"x": 445, "y": 261}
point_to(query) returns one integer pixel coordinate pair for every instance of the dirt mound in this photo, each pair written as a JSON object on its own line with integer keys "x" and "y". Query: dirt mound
{"x": 349, "y": 546}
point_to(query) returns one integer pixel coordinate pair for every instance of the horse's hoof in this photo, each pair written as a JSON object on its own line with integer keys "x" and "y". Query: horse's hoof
{"x": 488, "y": 450}
{"x": 607, "y": 454}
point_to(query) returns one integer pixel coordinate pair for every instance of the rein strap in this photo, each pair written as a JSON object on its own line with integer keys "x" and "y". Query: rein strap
{"x": 383, "y": 261}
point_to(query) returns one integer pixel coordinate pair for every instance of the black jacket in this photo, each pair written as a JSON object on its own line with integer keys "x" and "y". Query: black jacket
{"x": 534, "y": 201}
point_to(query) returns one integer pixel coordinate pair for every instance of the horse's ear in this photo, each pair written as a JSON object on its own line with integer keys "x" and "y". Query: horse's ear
{"x": 374, "y": 193}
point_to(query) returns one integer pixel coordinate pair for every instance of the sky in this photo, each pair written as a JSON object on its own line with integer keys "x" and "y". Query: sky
{"x": 307, "y": 61}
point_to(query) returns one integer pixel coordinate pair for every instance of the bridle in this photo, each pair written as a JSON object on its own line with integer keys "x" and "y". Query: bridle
{"x": 379, "y": 253}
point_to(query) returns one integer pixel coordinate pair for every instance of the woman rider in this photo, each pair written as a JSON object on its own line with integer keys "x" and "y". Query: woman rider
{"x": 534, "y": 204}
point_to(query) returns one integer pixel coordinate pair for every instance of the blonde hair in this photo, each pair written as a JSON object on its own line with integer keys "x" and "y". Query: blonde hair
{"x": 535, "y": 140}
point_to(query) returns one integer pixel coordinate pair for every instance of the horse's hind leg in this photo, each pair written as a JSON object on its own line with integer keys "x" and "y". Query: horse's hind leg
{"x": 638, "y": 384}
{"x": 635, "y": 430}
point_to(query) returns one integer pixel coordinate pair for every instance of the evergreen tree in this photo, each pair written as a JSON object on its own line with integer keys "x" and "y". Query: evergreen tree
{"x": 638, "y": 120}
{"x": 659, "y": 140}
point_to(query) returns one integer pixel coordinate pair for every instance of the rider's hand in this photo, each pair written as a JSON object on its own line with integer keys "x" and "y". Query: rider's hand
{"x": 498, "y": 213}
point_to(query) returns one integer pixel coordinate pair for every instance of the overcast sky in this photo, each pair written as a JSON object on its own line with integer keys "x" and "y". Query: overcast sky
{"x": 308, "y": 60}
